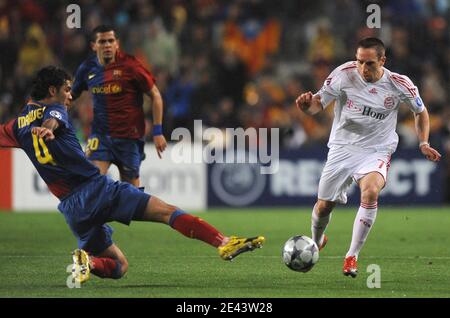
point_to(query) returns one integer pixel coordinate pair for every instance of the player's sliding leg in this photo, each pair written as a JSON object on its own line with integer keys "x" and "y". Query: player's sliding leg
{"x": 320, "y": 218}
{"x": 111, "y": 263}
{"x": 196, "y": 228}
{"x": 371, "y": 186}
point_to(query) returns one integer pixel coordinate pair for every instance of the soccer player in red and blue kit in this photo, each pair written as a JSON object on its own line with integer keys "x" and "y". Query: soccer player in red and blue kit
{"x": 117, "y": 82}
{"x": 88, "y": 199}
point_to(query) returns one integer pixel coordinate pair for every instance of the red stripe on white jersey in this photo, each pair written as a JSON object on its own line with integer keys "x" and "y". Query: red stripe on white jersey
{"x": 402, "y": 79}
{"x": 407, "y": 81}
{"x": 405, "y": 84}
{"x": 353, "y": 65}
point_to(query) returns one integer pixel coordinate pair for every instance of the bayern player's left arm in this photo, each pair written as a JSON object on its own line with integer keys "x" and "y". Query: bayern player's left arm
{"x": 157, "y": 109}
{"x": 422, "y": 124}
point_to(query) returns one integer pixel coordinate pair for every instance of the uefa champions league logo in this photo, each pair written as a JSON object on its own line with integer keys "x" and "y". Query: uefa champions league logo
{"x": 237, "y": 184}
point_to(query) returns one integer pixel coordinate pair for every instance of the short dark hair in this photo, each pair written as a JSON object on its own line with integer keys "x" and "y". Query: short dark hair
{"x": 102, "y": 29}
{"x": 46, "y": 77}
{"x": 373, "y": 43}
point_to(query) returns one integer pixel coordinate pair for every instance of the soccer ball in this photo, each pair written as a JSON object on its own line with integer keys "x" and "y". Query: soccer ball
{"x": 300, "y": 253}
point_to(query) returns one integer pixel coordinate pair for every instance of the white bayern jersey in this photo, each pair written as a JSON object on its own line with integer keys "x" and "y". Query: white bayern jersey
{"x": 365, "y": 114}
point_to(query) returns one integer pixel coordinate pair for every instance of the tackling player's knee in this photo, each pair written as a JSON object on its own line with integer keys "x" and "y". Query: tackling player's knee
{"x": 123, "y": 268}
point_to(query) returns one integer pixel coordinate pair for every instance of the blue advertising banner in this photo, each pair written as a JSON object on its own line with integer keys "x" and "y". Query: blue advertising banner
{"x": 411, "y": 180}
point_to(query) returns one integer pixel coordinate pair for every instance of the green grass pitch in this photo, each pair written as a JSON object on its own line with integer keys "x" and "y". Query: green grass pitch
{"x": 411, "y": 246}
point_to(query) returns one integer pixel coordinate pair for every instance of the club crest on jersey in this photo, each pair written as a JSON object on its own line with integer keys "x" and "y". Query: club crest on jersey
{"x": 117, "y": 74}
{"x": 389, "y": 102}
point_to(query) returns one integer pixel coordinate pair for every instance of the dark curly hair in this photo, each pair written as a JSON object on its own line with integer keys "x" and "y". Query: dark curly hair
{"x": 46, "y": 77}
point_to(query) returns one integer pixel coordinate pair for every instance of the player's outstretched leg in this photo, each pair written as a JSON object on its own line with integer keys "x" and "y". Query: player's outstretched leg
{"x": 324, "y": 242}
{"x": 320, "y": 218}
{"x": 110, "y": 263}
{"x": 196, "y": 228}
{"x": 237, "y": 245}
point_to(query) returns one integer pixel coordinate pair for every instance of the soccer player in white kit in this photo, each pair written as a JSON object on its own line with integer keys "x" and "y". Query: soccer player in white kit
{"x": 366, "y": 99}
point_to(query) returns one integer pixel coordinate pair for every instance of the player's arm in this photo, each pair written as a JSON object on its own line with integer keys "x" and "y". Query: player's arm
{"x": 422, "y": 124}
{"x": 309, "y": 103}
{"x": 7, "y": 137}
{"x": 79, "y": 84}
{"x": 409, "y": 94}
{"x": 47, "y": 129}
{"x": 157, "y": 109}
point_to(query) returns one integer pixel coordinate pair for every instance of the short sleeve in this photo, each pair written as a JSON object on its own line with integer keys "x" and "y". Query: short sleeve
{"x": 144, "y": 78}
{"x": 57, "y": 112}
{"x": 331, "y": 88}
{"x": 408, "y": 93}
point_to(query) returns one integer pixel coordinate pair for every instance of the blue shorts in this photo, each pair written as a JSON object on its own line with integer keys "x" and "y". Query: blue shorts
{"x": 97, "y": 202}
{"x": 126, "y": 154}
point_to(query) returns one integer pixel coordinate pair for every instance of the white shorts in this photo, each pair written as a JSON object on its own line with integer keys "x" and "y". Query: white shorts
{"x": 345, "y": 164}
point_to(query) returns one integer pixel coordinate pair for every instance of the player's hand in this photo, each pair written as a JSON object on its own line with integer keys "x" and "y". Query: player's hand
{"x": 305, "y": 100}
{"x": 431, "y": 153}
{"x": 88, "y": 151}
{"x": 42, "y": 132}
{"x": 160, "y": 144}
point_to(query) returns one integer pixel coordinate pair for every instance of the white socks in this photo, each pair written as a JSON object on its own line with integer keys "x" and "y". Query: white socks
{"x": 365, "y": 218}
{"x": 318, "y": 226}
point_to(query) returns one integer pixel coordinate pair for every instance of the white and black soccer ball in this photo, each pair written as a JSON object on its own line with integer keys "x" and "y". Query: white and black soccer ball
{"x": 300, "y": 253}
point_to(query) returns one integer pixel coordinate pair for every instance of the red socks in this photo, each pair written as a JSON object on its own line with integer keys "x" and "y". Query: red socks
{"x": 106, "y": 267}
{"x": 194, "y": 227}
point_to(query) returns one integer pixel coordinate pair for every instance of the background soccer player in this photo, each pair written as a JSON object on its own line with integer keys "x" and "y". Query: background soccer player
{"x": 89, "y": 199}
{"x": 366, "y": 101}
{"x": 117, "y": 82}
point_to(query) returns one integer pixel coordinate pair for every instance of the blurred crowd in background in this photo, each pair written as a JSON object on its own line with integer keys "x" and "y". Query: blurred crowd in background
{"x": 236, "y": 63}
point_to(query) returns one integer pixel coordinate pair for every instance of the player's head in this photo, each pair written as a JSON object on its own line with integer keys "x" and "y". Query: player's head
{"x": 370, "y": 57}
{"x": 105, "y": 43}
{"x": 52, "y": 85}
